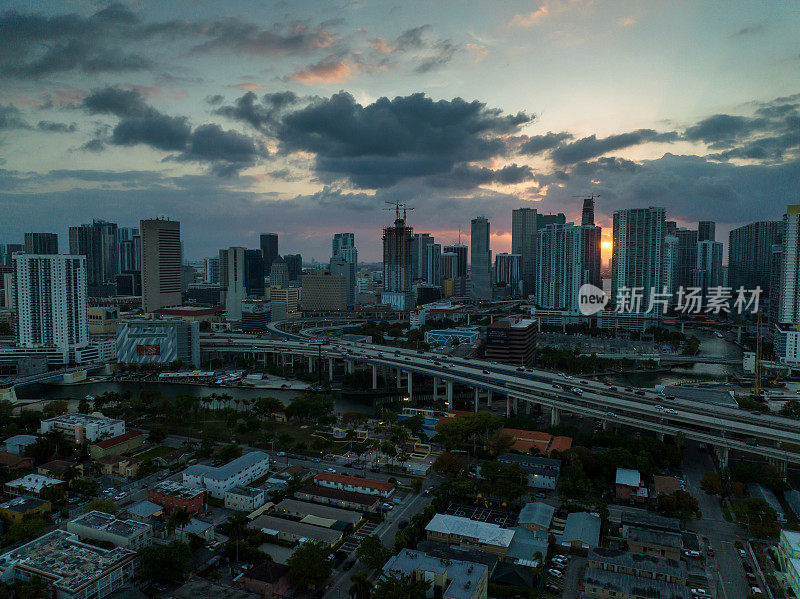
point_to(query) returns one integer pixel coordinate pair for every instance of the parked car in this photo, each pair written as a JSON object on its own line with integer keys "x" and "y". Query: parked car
{"x": 555, "y": 573}
{"x": 700, "y": 592}
{"x": 691, "y": 553}
{"x": 742, "y": 554}
{"x": 755, "y": 591}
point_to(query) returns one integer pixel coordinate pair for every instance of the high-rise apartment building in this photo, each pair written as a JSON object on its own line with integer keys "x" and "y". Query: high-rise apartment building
{"x": 542, "y": 220}
{"x": 294, "y": 264}
{"x": 269, "y": 249}
{"x": 789, "y": 306}
{"x": 232, "y": 279}
{"x": 708, "y": 273}
{"x": 686, "y": 257}
{"x": 433, "y": 266}
{"x": 419, "y": 255}
{"x": 345, "y": 254}
{"x": 670, "y": 263}
{"x": 524, "y": 225}
{"x": 480, "y": 259}
{"x": 8, "y": 250}
{"x": 50, "y": 301}
{"x": 750, "y": 254}
{"x": 254, "y": 273}
{"x": 41, "y": 243}
{"x": 448, "y": 266}
{"x": 637, "y": 254}
{"x": 508, "y": 271}
{"x": 587, "y": 216}
{"x": 98, "y": 242}
{"x": 211, "y": 270}
{"x": 161, "y": 263}
{"x": 340, "y": 267}
{"x": 706, "y": 230}
{"x": 279, "y": 274}
{"x": 569, "y": 257}
{"x": 461, "y": 252}
{"x": 129, "y": 249}
{"x": 397, "y": 267}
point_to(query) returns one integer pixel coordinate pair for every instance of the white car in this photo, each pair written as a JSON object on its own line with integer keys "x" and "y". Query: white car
{"x": 577, "y": 391}
{"x": 611, "y": 414}
{"x": 670, "y": 411}
{"x": 700, "y": 592}
{"x": 659, "y": 407}
{"x": 691, "y": 553}
{"x": 755, "y": 591}
{"x": 556, "y": 573}
{"x": 332, "y": 470}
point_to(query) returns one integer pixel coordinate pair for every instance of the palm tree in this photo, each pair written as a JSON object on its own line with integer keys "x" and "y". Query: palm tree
{"x": 405, "y": 586}
{"x": 179, "y": 519}
{"x": 361, "y": 587}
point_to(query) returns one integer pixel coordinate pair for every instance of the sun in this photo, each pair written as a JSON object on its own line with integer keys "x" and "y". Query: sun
{"x": 606, "y": 245}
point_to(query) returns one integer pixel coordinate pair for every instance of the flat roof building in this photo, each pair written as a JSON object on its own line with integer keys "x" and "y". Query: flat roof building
{"x": 608, "y": 583}
{"x": 239, "y": 472}
{"x": 456, "y": 530}
{"x": 75, "y": 570}
{"x": 511, "y": 340}
{"x": 245, "y": 499}
{"x": 33, "y": 484}
{"x": 293, "y": 531}
{"x": 83, "y": 427}
{"x": 172, "y": 495}
{"x": 354, "y": 483}
{"x": 450, "y": 578}
{"x": 159, "y": 341}
{"x": 292, "y": 507}
{"x": 100, "y": 526}
{"x": 542, "y": 472}
{"x": 339, "y": 498}
{"x": 20, "y": 508}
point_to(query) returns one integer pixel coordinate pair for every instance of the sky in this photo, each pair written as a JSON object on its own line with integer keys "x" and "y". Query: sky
{"x": 305, "y": 118}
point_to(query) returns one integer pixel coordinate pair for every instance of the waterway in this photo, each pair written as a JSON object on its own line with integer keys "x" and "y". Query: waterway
{"x": 710, "y": 345}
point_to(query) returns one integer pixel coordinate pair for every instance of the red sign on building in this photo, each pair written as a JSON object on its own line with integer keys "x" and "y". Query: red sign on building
{"x": 148, "y": 350}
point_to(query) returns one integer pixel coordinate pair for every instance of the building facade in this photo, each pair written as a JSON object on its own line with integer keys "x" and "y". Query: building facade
{"x": 480, "y": 259}
{"x": 159, "y": 341}
{"x": 637, "y": 254}
{"x": 524, "y": 243}
{"x": 161, "y": 264}
{"x": 239, "y": 472}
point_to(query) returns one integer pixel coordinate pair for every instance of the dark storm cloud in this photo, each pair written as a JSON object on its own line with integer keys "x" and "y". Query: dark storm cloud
{"x": 466, "y": 176}
{"x": 11, "y": 118}
{"x": 215, "y": 100}
{"x": 590, "y": 147}
{"x": 722, "y": 130}
{"x": 227, "y": 151}
{"x": 260, "y": 114}
{"x": 52, "y": 127}
{"x": 119, "y": 102}
{"x": 159, "y": 131}
{"x": 540, "y": 143}
{"x": 233, "y": 34}
{"x": 379, "y": 144}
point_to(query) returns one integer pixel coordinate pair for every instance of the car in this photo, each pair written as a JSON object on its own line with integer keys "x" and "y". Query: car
{"x": 429, "y": 490}
{"x": 555, "y": 573}
{"x": 611, "y": 414}
{"x": 639, "y": 392}
{"x": 520, "y": 369}
{"x": 670, "y": 411}
{"x": 577, "y": 391}
{"x": 612, "y": 388}
{"x": 659, "y": 407}
{"x": 551, "y": 588}
{"x": 750, "y": 576}
{"x": 119, "y": 496}
{"x": 700, "y": 592}
{"x": 485, "y": 371}
{"x": 540, "y": 494}
{"x": 388, "y": 506}
{"x": 742, "y": 554}
{"x": 755, "y": 591}
{"x": 348, "y": 565}
{"x": 691, "y": 553}
{"x": 281, "y": 453}
{"x": 332, "y": 470}
{"x": 628, "y": 389}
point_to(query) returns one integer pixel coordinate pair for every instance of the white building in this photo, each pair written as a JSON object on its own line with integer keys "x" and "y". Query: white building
{"x": 32, "y": 484}
{"x": 83, "y": 427}
{"x": 245, "y": 499}
{"x": 50, "y": 300}
{"x": 789, "y": 307}
{"x": 76, "y": 570}
{"x": 100, "y": 526}
{"x": 240, "y": 472}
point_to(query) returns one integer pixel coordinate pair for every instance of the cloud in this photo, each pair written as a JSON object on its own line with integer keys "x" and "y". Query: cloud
{"x": 379, "y": 144}
{"x": 249, "y": 86}
{"x": 721, "y": 130}
{"x": 52, "y": 127}
{"x": 227, "y": 151}
{"x": 235, "y": 35}
{"x": 260, "y": 114}
{"x": 412, "y": 39}
{"x": 159, "y": 131}
{"x": 530, "y": 18}
{"x": 467, "y": 176}
{"x": 326, "y": 71}
{"x": 11, "y": 118}
{"x": 591, "y": 146}
{"x": 539, "y": 143}
{"x": 749, "y": 30}
{"x": 117, "y": 101}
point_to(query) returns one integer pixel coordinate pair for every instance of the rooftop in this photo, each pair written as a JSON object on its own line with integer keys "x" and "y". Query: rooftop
{"x": 629, "y": 585}
{"x": 462, "y": 577}
{"x": 532, "y": 464}
{"x": 228, "y": 470}
{"x": 293, "y": 506}
{"x": 176, "y": 489}
{"x": 200, "y": 588}
{"x": 583, "y": 527}
{"x": 60, "y": 555}
{"x": 113, "y": 441}
{"x": 110, "y": 524}
{"x": 267, "y": 571}
{"x": 628, "y": 477}
{"x": 197, "y": 527}
{"x": 274, "y": 525}
{"x": 22, "y": 505}
{"x": 82, "y": 419}
{"x": 12, "y": 459}
{"x": 537, "y": 513}
{"x": 639, "y": 517}
{"x": 636, "y": 561}
{"x": 369, "y": 483}
{"x": 793, "y": 538}
{"x": 245, "y": 491}
{"x": 34, "y": 482}
{"x": 144, "y": 509}
{"x": 654, "y": 537}
{"x": 58, "y": 466}
{"x": 339, "y": 494}
{"x": 490, "y": 534}
{"x": 546, "y": 443}
{"x": 21, "y": 440}
{"x": 526, "y": 544}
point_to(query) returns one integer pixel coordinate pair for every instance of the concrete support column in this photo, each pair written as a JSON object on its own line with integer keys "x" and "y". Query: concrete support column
{"x": 516, "y": 405}
{"x": 508, "y": 406}
{"x": 528, "y": 408}
{"x": 399, "y": 378}
{"x": 410, "y": 386}
{"x": 350, "y": 366}
{"x": 449, "y": 387}
{"x": 435, "y": 389}
{"x": 489, "y": 400}
{"x": 722, "y": 456}
{"x": 660, "y": 436}
{"x": 310, "y": 364}
{"x": 555, "y": 416}
{"x": 477, "y": 398}
{"x": 330, "y": 368}
{"x": 374, "y": 376}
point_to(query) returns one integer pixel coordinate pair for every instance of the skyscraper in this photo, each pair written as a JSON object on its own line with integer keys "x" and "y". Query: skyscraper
{"x": 789, "y": 308}
{"x": 294, "y": 264}
{"x": 41, "y": 243}
{"x": 433, "y": 273}
{"x": 397, "y": 257}
{"x": 343, "y": 247}
{"x": 278, "y": 274}
{"x": 9, "y": 250}
{"x": 569, "y": 256}
{"x": 448, "y": 266}
{"x": 129, "y": 249}
{"x": 670, "y": 263}
{"x": 232, "y": 278}
{"x": 98, "y": 242}
{"x": 708, "y": 273}
{"x": 254, "y": 273}
{"x": 269, "y": 249}
{"x": 542, "y": 220}
{"x": 341, "y": 267}
{"x": 50, "y": 301}
{"x": 706, "y": 230}
{"x": 419, "y": 255}
{"x": 211, "y": 270}
{"x": 750, "y": 253}
{"x": 480, "y": 259}
{"x": 587, "y": 216}
{"x": 508, "y": 271}
{"x": 161, "y": 263}
{"x": 460, "y": 276}
{"x": 524, "y": 224}
{"x": 686, "y": 257}
{"x": 637, "y": 254}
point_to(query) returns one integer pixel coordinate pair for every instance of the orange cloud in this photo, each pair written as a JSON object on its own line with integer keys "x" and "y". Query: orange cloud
{"x": 250, "y": 86}
{"x": 479, "y": 51}
{"x": 324, "y": 72}
{"x": 380, "y": 45}
{"x": 531, "y": 18}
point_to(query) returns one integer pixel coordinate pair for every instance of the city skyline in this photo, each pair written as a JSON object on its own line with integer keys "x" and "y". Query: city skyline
{"x": 304, "y": 119}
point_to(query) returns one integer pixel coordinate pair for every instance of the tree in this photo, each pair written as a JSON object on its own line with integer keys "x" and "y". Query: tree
{"x": 404, "y": 586}
{"x": 24, "y": 530}
{"x": 55, "y": 495}
{"x": 266, "y": 406}
{"x": 310, "y": 565}
{"x": 716, "y": 484}
{"x": 361, "y": 587}
{"x": 679, "y": 504}
{"x": 101, "y": 505}
{"x": 179, "y": 518}
{"x": 164, "y": 563}
{"x": 157, "y": 434}
{"x": 372, "y": 552}
{"x": 500, "y": 443}
{"x": 55, "y": 408}
{"x": 229, "y": 452}
{"x": 447, "y": 463}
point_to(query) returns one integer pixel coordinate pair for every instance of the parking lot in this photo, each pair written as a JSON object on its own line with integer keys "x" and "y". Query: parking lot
{"x": 354, "y": 540}
{"x": 504, "y": 519}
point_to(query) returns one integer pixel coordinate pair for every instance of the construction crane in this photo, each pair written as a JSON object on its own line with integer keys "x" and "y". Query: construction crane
{"x": 397, "y": 207}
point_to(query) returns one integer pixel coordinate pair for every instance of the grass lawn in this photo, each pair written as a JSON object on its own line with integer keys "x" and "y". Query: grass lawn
{"x": 154, "y": 452}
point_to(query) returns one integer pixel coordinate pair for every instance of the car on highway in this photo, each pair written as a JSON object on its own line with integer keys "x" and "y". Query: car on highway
{"x": 659, "y": 407}
{"x": 700, "y": 592}
{"x": 577, "y": 391}
{"x": 611, "y": 414}
{"x": 388, "y": 506}
{"x": 691, "y": 553}
{"x": 670, "y": 411}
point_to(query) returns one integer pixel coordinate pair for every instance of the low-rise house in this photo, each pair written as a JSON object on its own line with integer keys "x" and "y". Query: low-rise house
{"x": 643, "y": 566}
{"x": 75, "y": 570}
{"x": 581, "y": 531}
{"x": 268, "y": 579}
{"x": 117, "y": 465}
{"x": 18, "y": 443}
{"x": 543, "y": 443}
{"x": 13, "y": 461}
{"x": 604, "y": 584}
{"x": 200, "y": 588}
{"x": 124, "y": 443}
{"x": 172, "y": 495}
{"x": 629, "y": 487}
{"x": 145, "y": 510}
{"x": 346, "y": 519}
{"x": 200, "y": 528}
{"x": 33, "y": 485}
{"x": 536, "y": 516}
{"x": 293, "y": 531}
{"x": 175, "y": 457}
{"x": 245, "y": 499}
{"x": 57, "y": 468}
{"x": 239, "y": 472}
{"x": 457, "y": 530}
{"x": 22, "y": 508}
{"x": 542, "y": 472}
{"x": 345, "y": 482}
{"x": 100, "y": 526}
{"x": 336, "y": 497}
{"x": 640, "y": 518}
{"x": 646, "y": 541}
{"x": 450, "y": 579}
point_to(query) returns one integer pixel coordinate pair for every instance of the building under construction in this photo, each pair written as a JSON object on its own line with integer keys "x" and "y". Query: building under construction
{"x": 397, "y": 260}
